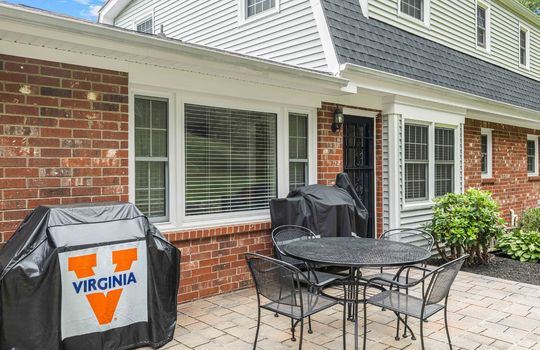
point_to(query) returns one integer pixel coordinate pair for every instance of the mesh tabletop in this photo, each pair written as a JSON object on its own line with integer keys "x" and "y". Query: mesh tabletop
{"x": 356, "y": 252}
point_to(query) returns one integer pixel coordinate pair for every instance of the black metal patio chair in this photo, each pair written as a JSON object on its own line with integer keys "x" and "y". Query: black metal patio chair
{"x": 439, "y": 281}
{"x": 280, "y": 289}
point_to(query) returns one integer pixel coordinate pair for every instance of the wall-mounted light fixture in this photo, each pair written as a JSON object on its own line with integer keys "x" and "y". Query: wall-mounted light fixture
{"x": 339, "y": 118}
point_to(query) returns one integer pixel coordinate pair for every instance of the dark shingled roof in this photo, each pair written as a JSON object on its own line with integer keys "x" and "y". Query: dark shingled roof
{"x": 375, "y": 44}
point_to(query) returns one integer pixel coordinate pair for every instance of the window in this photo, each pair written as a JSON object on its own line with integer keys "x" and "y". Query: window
{"x": 485, "y": 149}
{"x": 482, "y": 26}
{"x": 416, "y": 162}
{"x": 146, "y": 26}
{"x": 444, "y": 161}
{"x": 413, "y": 8}
{"x": 254, "y": 7}
{"x": 151, "y": 157}
{"x": 298, "y": 150}
{"x": 523, "y": 47}
{"x": 230, "y": 159}
{"x": 532, "y": 155}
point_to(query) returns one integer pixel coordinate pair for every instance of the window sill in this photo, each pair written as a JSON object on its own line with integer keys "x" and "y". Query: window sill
{"x": 533, "y": 178}
{"x": 417, "y": 205}
{"x": 488, "y": 181}
{"x": 244, "y": 20}
{"x": 217, "y": 222}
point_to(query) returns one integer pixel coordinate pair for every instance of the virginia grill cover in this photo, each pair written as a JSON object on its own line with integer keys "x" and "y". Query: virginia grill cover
{"x": 328, "y": 211}
{"x": 87, "y": 277}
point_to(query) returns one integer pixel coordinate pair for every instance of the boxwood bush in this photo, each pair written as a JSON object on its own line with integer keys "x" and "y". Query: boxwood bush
{"x": 465, "y": 224}
{"x": 521, "y": 245}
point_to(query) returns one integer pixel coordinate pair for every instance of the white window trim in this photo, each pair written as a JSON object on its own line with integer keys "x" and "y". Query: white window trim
{"x": 177, "y": 99}
{"x": 489, "y": 134}
{"x": 486, "y": 7}
{"x": 144, "y": 17}
{"x": 426, "y": 15}
{"x": 243, "y": 17}
{"x": 535, "y": 139}
{"x": 428, "y": 203}
{"x": 528, "y": 48}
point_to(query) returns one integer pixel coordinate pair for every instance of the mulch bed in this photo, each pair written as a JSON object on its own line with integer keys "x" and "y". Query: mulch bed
{"x": 506, "y": 268}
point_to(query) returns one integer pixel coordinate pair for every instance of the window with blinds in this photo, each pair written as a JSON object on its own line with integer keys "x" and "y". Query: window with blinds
{"x": 230, "y": 159}
{"x": 255, "y": 7}
{"x": 413, "y": 8}
{"x": 146, "y": 26}
{"x": 416, "y": 162}
{"x": 531, "y": 156}
{"x": 298, "y": 150}
{"x": 151, "y": 157}
{"x": 444, "y": 161}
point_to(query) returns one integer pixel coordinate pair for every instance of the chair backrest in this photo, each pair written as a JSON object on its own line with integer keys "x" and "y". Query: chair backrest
{"x": 441, "y": 281}
{"x": 275, "y": 280}
{"x": 414, "y": 236}
{"x": 283, "y": 235}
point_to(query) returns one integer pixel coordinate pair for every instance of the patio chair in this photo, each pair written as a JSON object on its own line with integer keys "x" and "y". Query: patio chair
{"x": 285, "y": 234}
{"x": 439, "y": 281}
{"x": 279, "y": 284}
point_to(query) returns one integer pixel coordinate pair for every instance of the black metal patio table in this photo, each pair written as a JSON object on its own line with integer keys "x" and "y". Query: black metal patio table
{"x": 355, "y": 253}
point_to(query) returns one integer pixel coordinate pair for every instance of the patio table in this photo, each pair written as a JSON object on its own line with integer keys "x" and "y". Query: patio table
{"x": 355, "y": 253}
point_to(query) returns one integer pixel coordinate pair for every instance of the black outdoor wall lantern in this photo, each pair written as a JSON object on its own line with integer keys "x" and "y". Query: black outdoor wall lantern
{"x": 338, "y": 119}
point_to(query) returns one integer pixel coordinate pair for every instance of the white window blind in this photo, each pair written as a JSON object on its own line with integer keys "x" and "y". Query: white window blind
{"x": 531, "y": 156}
{"x": 444, "y": 161}
{"x": 151, "y": 157}
{"x": 298, "y": 150}
{"x": 230, "y": 159}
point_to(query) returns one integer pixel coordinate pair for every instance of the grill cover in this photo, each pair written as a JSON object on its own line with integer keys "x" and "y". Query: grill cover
{"x": 87, "y": 277}
{"x": 329, "y": 211}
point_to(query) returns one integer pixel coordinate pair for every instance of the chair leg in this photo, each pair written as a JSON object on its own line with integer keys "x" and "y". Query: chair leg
{"x": 258, "y": 326}
{"x": 310, "y": 331}
{"x": 344, "y": 326}
{"x": 404, "y": 335}
{"x": 293, "y": 326}
{"x": 276, "y": 315}
{"x": 397, "y": 329}
{"x": 422, "y": 333}
{"x": 301, "y": 334}
{"x": 365, "y": 326}
{"x": 446, "y": 327}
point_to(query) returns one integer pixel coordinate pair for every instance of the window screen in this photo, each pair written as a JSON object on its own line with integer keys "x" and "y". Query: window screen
{"x": 230, "y": 159}
{"x": 481, "y": 26}
{"x": 444, "y": 161}
{"x": 531, "y": 156}
{"x": 257, "y": 6}
{"x": 484, "y": 151}
{"x": 146, "y": 26}
{"x": 298, "y": 146}
{"x": 523, "y": 47}
{"x": 151, "y": 156}
{"x": 413, "y": 8}
{"x": 416, "y": 162}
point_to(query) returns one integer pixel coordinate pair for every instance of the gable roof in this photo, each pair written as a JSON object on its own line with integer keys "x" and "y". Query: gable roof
{"x": 374, "y": 44}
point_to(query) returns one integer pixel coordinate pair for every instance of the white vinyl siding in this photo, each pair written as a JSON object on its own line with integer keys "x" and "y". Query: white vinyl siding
{"x": 453, "y": 23}
{"x": 289, "y": 35}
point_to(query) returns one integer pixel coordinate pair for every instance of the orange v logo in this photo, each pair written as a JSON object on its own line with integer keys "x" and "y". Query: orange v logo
{"x": 103, "y": 304}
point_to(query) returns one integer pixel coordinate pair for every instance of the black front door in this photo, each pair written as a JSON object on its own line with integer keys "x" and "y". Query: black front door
{"x": 358, "y": 161}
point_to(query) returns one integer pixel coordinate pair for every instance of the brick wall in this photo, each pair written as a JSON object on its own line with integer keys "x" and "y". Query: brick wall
{"x": 511, "y": 185}
{"x": 330, "y": 153}
{"x": 63, "y": 136}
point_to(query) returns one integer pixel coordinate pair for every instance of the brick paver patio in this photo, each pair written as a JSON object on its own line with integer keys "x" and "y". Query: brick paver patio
{"x": 484, "y": 313}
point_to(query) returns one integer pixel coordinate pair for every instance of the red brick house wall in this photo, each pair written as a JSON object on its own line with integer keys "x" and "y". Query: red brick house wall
{"x": 510, "y": 184}
{"x": 63, "y": 136}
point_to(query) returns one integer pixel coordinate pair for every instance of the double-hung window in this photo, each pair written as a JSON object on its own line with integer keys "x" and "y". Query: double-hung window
{"x": 444, "y": 161}
{"x": 230, "y": 159}
{"x": 413, "y": 8}
{"x": 524, "y": 47}
{"x": 532, "y": 155}
{"x": 416, "y": 162}
{"x": 254, "y": 7}
{"x": 151, "y": 157}
{"x": 482, "y": 26}
{"x": 298, "y": 150}
{"x": 486, "y": 151}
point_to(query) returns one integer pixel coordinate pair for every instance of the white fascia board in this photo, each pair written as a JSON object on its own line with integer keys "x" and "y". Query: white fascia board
{"x": 392, "y": 84}
{"x": 110, "y": 10}
{"x": 108, "y": 41}
{"x": 522, "y": 11}
{"x": 326, "y": 39}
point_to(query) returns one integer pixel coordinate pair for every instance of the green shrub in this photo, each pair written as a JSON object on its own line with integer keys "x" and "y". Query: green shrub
{"x": 521, "y": 245}
{"x": 465, "y": 224}
{"x": 530, "y": 220}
